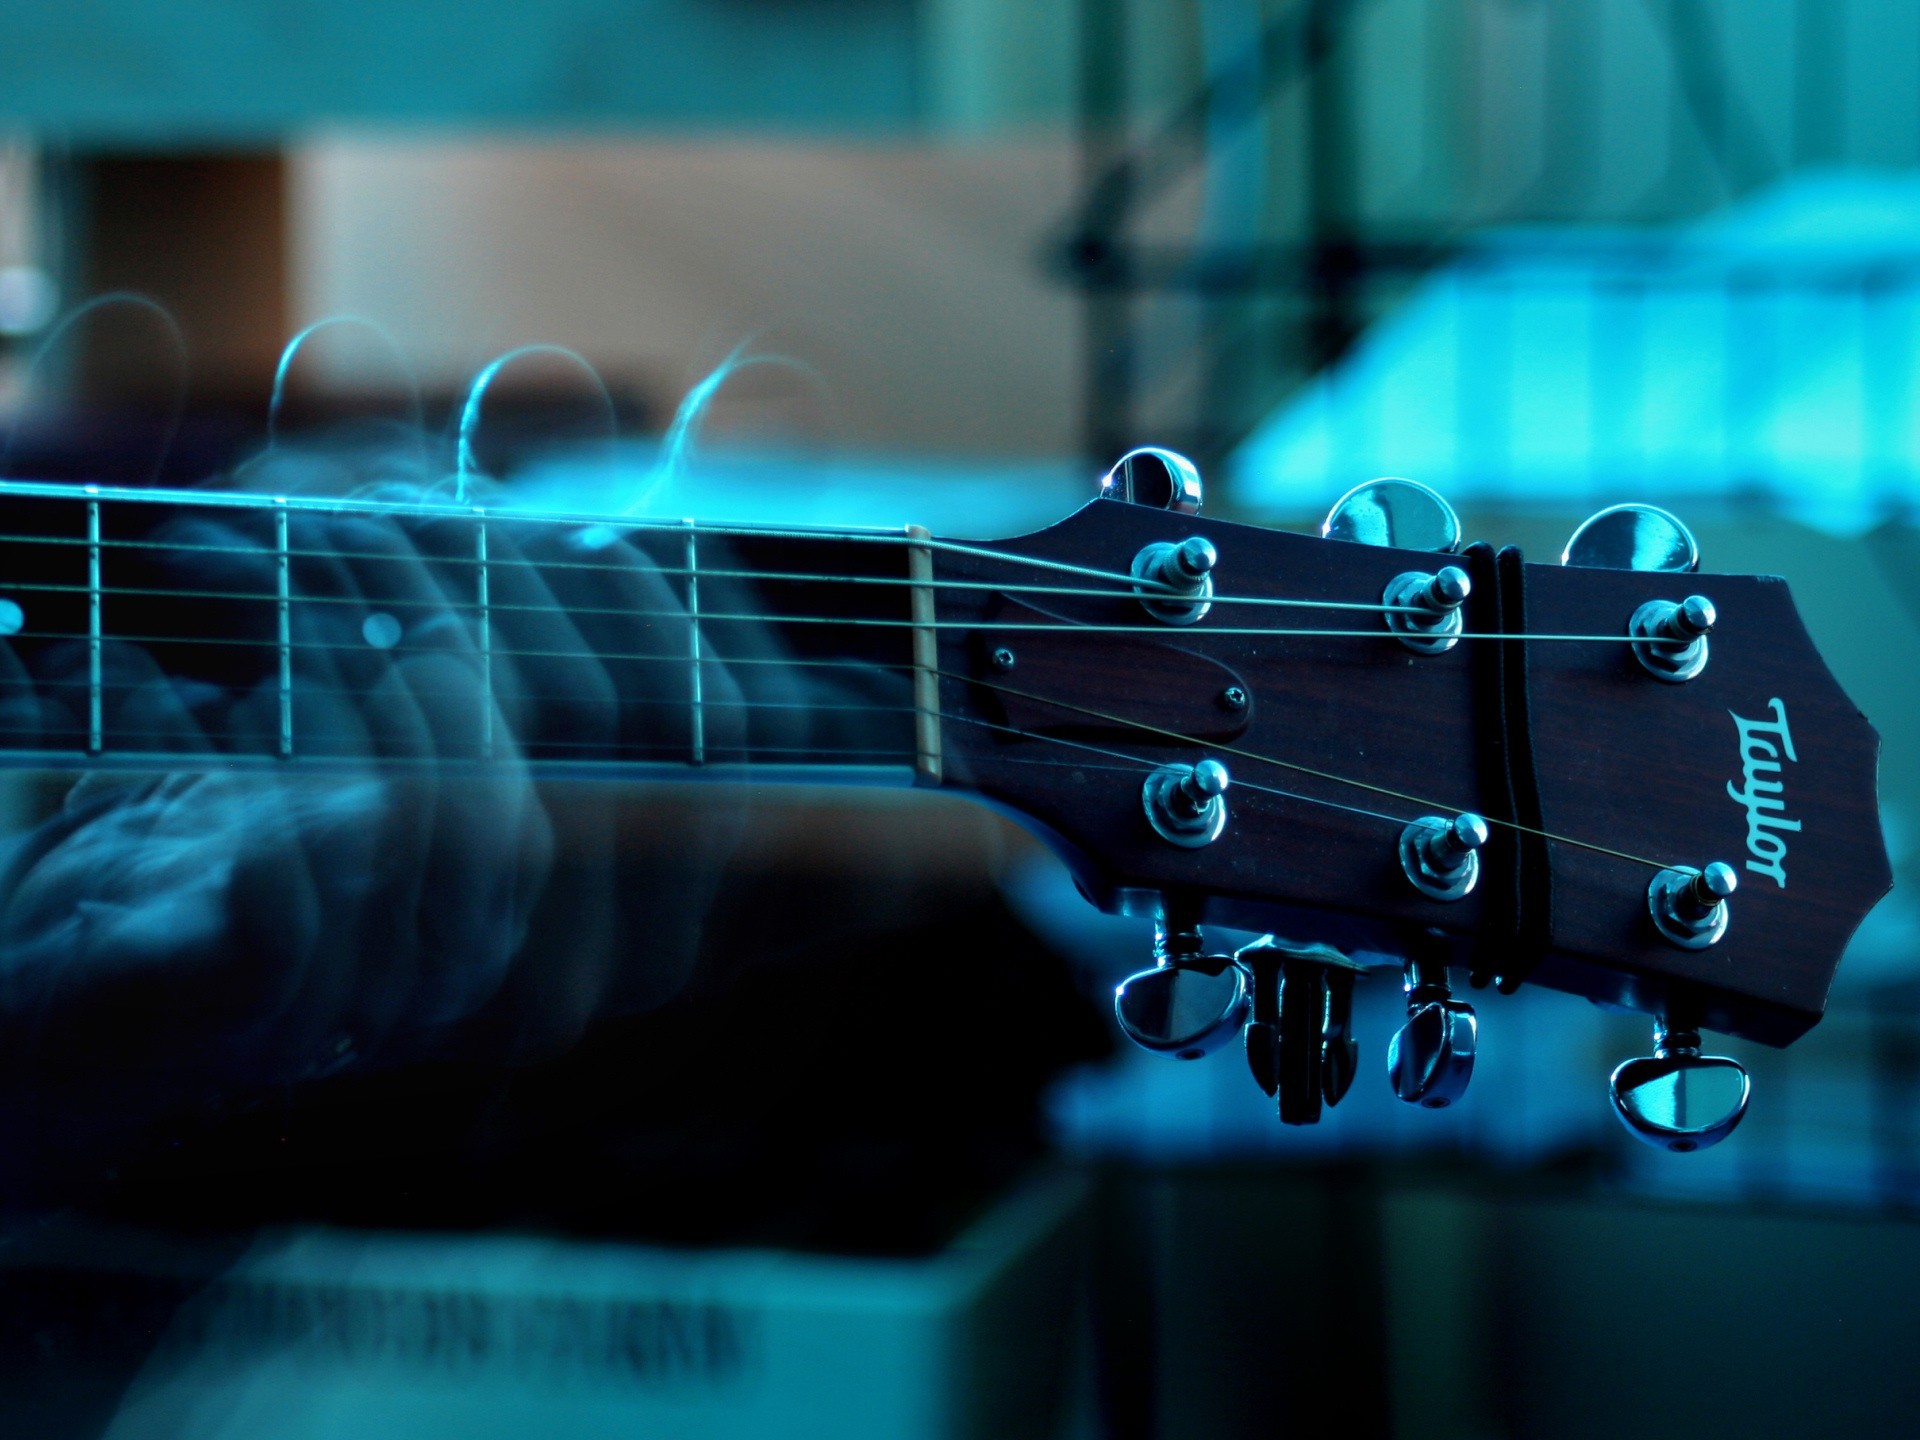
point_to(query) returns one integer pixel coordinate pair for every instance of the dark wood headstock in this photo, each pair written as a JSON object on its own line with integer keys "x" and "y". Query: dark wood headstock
{"x": 1643, "y": 771}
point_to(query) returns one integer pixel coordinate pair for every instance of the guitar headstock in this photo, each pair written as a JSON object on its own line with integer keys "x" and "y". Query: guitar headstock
{"x": 1642, "y": 786}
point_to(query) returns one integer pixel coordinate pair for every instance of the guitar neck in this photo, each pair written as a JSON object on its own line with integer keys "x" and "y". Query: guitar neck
{"x": 161, "y": 629}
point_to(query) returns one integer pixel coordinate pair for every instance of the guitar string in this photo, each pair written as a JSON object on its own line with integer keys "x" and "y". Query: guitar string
{"x": 1009, "y": 627}
{"x": 1326, "y": 775}
{"x": 667, "y": 530}
{"x": 1159, "y": 732}
{"x": 708, "y": 573}
{"x": 1128, "y": 582}
{"x": 674, "y": 750}
{"x": 1142, "y": 763}
{"x": 866, "y": 622}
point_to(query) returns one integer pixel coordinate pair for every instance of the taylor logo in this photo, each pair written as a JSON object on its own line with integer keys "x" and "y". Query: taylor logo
{"x": 1763, "y": 744}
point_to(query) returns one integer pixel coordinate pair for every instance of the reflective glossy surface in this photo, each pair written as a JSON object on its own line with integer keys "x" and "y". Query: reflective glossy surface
{"x": 1675, "y": 648}
{"x": 1430, "y": 1059}
{"x": 1175, "y": 582}
{"x": 1633, "y": 537}
{"x": 1159, "y": 479}
{"x": 1186, "y": 804}
{"x": 1396, "y": 512}
{"x": 1181, "y": 1010}
{"x": 1681, "y": 1102}
{"x": 1439, "y": 854}
{"x": 1427, "y": 616}
{"x": 1689, "y": 909}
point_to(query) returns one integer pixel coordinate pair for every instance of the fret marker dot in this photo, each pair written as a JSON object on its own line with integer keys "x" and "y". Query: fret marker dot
{"x": 12, "y": 617}
{"x": 381, "y": 630}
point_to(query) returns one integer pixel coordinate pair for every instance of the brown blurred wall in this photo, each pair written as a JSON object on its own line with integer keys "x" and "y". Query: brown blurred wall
{"x": 205, "y": 235}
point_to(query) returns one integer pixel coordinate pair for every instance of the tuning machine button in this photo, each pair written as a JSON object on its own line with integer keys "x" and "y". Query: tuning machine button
{"x": 1184, "y": 1008}
{"x": 1670, "y": 637}
{"x": 1159, "y": 479}
{"x": 1678, "y": 1099}
{"x": 1689, "y": 907}
{"x": 1189, "y": 1004}
{"x": 1430, "y": 1060}
{"x": 1632, "y": 537}
{"x": 1400, "y": 513}
{"x": 1441, "y": 856}
{"x": 1425, "y": 611}
{"x": 1175, "y": 580}
{"x": 1187, "y": 804}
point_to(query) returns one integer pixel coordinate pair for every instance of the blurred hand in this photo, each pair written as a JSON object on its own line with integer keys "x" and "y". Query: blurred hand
{"x": 167, "y": 936}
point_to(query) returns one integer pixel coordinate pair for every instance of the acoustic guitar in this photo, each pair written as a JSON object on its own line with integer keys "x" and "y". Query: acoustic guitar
{"x": 1611, "y": 776}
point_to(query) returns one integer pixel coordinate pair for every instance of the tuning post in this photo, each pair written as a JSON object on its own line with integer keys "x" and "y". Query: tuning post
{"x": 1187, "y": 804}
{"x": 1426, "y": 612}
{"x": 1430, "y": 1060}
{"x": 1159, "y": 479}
{"x": 1670, "y": 637}
{"x": 1442, "y": 856}
{"x": 1689, "y": 907}
{"x": 1175, "y": 580}
{"x": 1676, "y": 1098}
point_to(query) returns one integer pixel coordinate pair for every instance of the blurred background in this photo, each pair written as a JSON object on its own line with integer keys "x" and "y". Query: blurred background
{"x": 871, "y": 261}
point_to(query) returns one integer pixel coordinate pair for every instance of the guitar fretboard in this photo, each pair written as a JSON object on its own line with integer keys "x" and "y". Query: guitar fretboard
{"x": 156, "y": 627}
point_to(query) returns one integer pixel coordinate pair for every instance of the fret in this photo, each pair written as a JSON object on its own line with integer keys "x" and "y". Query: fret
{"x": 283, "y": 580}
{"x": 784, "y": 651}
{"x": 94, "y": 708}
{"x": 926, "y": 661}
{"x": 483, "y": 599}
{"x": 696, "y": 709}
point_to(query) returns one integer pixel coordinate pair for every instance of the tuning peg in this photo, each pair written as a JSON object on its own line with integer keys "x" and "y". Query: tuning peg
{"x": 1159, "y": 479}
{"x": 1632, "y": 537}
{"x": 1175, "y": 581}
{"x": 1671, "y": 636}
{"x": 1430, "y": 1060}
{"x": 1186, "y": 1008}
{"x": 1441, "y": 856}
{"x": 1189, "y": 1004}
{"x": 1187, "y": 804}
{"x": 1391, "y": 511}
{"x": 1425, "y": 608}
{"x": 1689, "y": 907}
{"x": 1677, "y": 1098}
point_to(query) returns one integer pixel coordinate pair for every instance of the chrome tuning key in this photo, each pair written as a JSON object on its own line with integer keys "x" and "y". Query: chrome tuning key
{"x": 1426, "y": 612}
{"x": 1401, "y": 513}
{"x": 1294, "y": 1001}
{"x": 1430, "y": 1060}
{"x": 1189, "y": 1004}
{"x": 1690, "y": 907}
{"x": 1441, "y": 856}
{"x": 1632, "y": 537}
{"x": 1159, "y": 479}
{"x": 1678, "y": 1099}
{"x": 1175, "y": 581}
{"x": 1670, "y": 637}
{"x": 1187, "y": 804}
